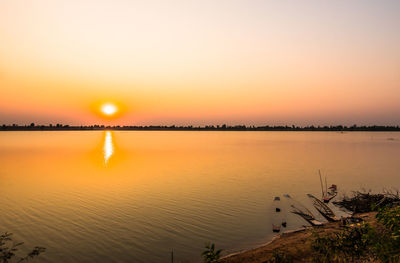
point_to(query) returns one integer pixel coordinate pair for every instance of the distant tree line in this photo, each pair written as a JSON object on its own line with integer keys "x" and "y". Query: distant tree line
{"x": 223, "y": 127}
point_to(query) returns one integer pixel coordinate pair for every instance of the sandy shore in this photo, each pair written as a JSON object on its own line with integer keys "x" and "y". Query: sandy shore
{"x": 295, "y": 243}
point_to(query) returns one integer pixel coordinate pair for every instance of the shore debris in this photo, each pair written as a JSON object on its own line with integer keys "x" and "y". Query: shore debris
{"x": 363, "y": 202}
{"x": 276, "y": 228}
{"x": 303, "y": 212}
{"x": 279, "y": 218}
{"x": 323, "y": 209}
{"x": 306, "y": 215}
{"x": 327, "y": 195}
{"x": 277, "y": 209}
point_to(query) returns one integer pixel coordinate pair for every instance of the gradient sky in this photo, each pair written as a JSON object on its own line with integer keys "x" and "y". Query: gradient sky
{"x": 200, "y": 62}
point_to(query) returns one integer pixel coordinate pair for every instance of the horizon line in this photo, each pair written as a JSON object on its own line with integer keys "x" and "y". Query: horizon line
{"x": 223, "y": 127}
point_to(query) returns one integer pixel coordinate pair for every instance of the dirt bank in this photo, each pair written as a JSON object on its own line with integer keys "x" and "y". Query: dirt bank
{"x": 296, "y": 244}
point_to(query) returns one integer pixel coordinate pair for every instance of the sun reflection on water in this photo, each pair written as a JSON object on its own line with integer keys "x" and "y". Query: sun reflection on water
{"x": 108, "y": 147}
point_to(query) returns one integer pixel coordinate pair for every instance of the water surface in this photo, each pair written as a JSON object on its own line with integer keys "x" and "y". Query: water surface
{"x": 133, "y": 196}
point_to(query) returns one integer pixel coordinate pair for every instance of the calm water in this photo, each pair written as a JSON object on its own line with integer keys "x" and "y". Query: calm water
{"x": 133, "y": 196}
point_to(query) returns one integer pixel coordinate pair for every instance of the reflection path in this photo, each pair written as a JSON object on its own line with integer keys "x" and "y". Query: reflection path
{"x": 108, "y": 148}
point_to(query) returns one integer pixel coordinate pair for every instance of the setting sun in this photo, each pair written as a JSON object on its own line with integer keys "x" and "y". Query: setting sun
{"x": 108, "y": 109}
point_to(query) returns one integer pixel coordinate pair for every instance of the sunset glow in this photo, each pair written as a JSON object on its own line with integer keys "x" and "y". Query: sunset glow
{"x": 200, "y": 62}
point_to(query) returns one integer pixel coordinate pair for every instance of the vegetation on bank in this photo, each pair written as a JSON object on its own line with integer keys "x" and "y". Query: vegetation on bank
{"x": 363, "y": 242}
{"x": 210, "y": 254}
{"x": 9, "y": 250}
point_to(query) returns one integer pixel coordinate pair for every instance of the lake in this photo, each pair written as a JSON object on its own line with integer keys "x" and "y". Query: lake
{"x": 133, "y": 196}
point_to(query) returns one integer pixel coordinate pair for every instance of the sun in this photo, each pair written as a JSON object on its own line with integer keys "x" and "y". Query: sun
{"x": 109, "y": 109}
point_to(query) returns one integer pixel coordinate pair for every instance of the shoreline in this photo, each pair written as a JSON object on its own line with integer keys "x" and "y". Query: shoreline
{"x": 296, "y": 243}
{"x": 266, "y": 243}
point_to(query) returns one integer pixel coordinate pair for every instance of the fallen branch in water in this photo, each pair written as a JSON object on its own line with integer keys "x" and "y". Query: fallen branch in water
{"x": 365, "y": 201}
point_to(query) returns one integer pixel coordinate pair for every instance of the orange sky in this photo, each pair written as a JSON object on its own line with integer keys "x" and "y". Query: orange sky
{"x": 200, "y": 62}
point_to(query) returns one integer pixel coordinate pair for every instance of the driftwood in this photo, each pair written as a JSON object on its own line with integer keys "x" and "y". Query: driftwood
{"x": 365, "y": 201}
